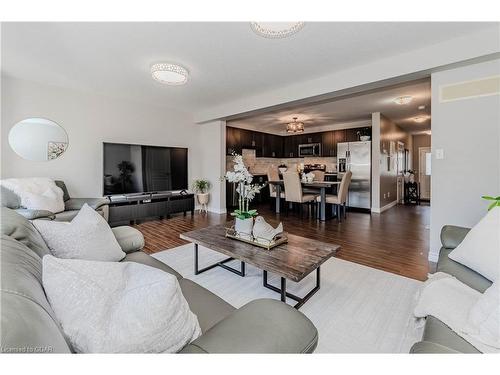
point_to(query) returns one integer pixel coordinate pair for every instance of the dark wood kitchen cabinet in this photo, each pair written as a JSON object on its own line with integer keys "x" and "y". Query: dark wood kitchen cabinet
{"x": 310, "y": 138}
{"x": 257, "y": 143}
{"x": 251, "y": 140}
{"x": 275, "y": 146}
{"x": 351, "y": 135}
{"x": 272, "y": 146}
{"x": 291, "y": 147}
{"x": 339, "y": 136}
{"x": 233, "y": 140}
{"x": 245, "y": 138}
{"x": 328, "y": 145}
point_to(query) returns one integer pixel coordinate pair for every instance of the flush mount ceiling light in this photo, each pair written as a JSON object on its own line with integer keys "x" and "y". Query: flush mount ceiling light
{"x": 295, "y": 126}
{"x": 419, "y": 119}
{"x": 401, "y": 100}
{"x": 276, "y": 30}
{"x": 169, "y": 74}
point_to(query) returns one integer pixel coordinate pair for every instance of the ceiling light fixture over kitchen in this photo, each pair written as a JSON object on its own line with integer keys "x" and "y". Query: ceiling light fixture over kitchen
{"x": 295, "y": 126}
{"x": 401, "y": 100}
{"x": 169, "y": 74}
{"x": 276, "y": 30}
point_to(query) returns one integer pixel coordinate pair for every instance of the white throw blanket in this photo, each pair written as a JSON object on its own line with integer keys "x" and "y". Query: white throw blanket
{"x": 458, "y": 306}
{"x": 36, "y": 193}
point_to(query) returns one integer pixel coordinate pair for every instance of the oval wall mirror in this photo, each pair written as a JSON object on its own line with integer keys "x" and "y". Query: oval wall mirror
{"x": 38, "y": 139}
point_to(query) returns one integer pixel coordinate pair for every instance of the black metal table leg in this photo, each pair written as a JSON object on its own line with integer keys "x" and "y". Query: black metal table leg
{"x": 283, "y": 289}
{"x": 197, "y": 271}
{"x": 278, "y": 197}
{"x": 300, "y": 300}
{"x": 322, "y": 206}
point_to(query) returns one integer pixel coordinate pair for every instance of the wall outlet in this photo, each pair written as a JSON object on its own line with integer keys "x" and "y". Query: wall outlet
{"x": 389, "y": 194}
{"x": 439, "y": 154}
{"x": 384, "y": 196}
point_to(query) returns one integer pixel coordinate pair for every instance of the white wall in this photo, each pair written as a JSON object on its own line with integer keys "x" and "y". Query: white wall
{"x": 213, "y": 162}
{"x": 417, "y": 63}
{"x": 468, "y": 132}
{"x": 89, "y": 120}
{"x": 376, "y": 161}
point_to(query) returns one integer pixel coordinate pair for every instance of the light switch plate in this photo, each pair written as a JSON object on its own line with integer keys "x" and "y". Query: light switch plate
{"x": 439, "y": 153}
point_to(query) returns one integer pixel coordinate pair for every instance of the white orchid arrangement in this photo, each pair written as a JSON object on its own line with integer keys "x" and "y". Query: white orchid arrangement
{"x": 245, "y": 189}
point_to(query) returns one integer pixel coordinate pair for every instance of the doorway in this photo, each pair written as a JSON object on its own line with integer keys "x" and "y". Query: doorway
{"x": 424, "y": 172}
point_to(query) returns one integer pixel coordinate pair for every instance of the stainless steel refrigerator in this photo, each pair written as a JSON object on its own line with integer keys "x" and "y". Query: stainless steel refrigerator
{"x": 356, "y": 157}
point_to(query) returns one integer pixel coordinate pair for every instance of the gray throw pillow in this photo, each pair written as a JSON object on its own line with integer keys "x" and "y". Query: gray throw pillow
{"x": 87, "y": 236}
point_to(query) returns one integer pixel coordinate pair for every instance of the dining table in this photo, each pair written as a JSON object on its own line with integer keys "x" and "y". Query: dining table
{"x": 320, "y": 185}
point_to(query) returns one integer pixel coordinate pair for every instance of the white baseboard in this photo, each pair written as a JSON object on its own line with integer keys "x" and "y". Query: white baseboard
{"x": 385, "y": 208}
{"x": 212, "y": 209}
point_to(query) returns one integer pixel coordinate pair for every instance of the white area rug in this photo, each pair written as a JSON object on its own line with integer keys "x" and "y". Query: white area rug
{"x": 357, "y": 310}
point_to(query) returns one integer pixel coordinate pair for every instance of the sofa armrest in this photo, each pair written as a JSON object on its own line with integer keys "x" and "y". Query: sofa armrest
{"x": 129, "y": 239}
{"x": 77, "y": 203}
{"x": 35, "y": 214}
{"x": 427, "y": 347}
{"x": 260, "y": 326}
{"x": 451, "y": 236}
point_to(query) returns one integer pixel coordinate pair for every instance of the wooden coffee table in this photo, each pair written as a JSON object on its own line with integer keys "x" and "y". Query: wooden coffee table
{"x": 293, "y": 260}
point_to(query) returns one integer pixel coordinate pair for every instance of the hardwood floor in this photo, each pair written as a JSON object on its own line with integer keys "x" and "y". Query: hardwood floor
{"x": 395, "y": 241}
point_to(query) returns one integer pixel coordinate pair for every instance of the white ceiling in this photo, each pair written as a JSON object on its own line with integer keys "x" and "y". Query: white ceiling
{"x": 351, "y": 111}
{"x": 226, "y": 60}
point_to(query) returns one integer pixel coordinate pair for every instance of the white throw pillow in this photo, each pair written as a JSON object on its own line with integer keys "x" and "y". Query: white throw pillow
{"x": 484, "y": 317}
{"x": 106, "y": 307}
{"x": 87, "y": 236}
{"x": 480, "y": 249}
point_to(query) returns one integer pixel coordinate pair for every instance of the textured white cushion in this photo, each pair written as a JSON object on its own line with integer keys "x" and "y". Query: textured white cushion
{"x": 447, "y": 299}
{"x": 470, "y": 314}
{"x": 87, "y": 236}
{"x": 484, "y": 317}
{"x": 480, "y": 249}
{"x": 37, "y": 193}
{"x": 108, "y": 307}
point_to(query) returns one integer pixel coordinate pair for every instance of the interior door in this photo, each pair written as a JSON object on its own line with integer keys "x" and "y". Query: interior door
{"x": 424, "y": 172}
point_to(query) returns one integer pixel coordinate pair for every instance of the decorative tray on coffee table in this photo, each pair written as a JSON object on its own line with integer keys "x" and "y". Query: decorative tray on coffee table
{"x": 280, "y": 239}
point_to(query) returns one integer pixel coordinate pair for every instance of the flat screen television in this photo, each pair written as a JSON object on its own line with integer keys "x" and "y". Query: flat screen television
{"x": 130, "y": 169}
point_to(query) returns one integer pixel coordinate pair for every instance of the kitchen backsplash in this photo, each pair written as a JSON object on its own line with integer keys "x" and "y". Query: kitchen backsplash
{"x": 260, "y": 165}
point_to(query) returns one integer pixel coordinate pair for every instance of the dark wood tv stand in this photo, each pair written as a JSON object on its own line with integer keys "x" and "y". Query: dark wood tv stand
{"x": 129, "y": 209}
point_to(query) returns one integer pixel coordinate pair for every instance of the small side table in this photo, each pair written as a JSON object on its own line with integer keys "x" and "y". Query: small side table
{"x": 412, "y": 193}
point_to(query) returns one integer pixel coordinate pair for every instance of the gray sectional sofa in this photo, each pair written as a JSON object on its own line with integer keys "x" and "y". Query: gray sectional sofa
{"x": 439, "y": 338}
{"x": 28, "y": 323}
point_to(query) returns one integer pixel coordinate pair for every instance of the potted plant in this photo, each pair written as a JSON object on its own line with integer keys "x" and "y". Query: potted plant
{"x": 364, "y": 134}
{"x": 246, "y": 191}
{"x": 201, "y": 188}
{"x": 495, "y": 203}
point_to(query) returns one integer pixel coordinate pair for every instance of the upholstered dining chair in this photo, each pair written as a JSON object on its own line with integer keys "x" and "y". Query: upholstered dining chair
{"x": 273, "y": 175}
{"x": 319, "y": 176}
{"x": 294, "y": 192}
{"x": 339, "y": 200}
